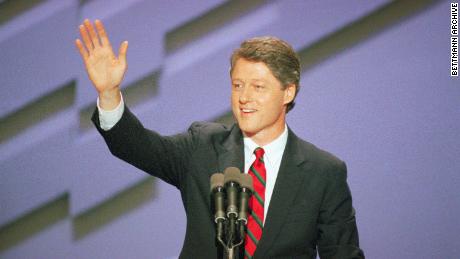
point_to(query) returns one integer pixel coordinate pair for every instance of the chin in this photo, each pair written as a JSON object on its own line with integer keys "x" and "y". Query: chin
{"x": 247, "y": 129}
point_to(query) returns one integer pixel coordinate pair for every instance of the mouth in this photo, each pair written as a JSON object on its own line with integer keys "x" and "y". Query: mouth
{"x": 247, "y": 111}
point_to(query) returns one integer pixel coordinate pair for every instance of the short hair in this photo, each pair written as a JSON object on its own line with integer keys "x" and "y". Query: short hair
{"x": 279, "y": 57}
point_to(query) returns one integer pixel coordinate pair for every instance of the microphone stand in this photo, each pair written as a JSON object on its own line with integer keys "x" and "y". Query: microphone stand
{"x": 230, "y": 253}
{"x": 231, "y": 250}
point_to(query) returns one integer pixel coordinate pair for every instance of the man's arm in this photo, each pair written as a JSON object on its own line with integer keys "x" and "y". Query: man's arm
{"x": 164, "y": 157}
{"x": 338, "y": 234}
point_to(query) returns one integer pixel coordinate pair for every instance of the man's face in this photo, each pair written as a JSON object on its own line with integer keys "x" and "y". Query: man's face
{"x": 258, "y": 100}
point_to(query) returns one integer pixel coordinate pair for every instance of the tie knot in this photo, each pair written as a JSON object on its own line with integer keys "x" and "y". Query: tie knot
{"x": 259, "y": 152}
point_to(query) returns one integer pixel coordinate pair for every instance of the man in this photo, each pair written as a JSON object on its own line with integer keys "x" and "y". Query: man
{"x": 302, "y": 202}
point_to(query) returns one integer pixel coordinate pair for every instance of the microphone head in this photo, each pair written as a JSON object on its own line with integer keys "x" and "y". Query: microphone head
{"x": 232, "y": 174}
{"x": 217, "y": 180}
{"x": 246, "y": 182}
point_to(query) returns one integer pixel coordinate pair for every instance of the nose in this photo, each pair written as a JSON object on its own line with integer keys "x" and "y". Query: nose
{"x": 245, "y": 95}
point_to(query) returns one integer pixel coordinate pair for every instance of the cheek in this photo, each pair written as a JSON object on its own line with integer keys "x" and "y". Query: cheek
{"x": 234, "y": 102}
{"x": 275, "y": 107}
{"x": 234, "y": 98}
{"x": 273, "y": 102}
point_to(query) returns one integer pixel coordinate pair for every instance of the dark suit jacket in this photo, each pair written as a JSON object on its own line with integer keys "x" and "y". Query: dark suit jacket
{"x": 311, "y": 204}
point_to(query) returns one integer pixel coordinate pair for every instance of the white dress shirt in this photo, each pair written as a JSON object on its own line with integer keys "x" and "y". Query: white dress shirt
{"x": 108, "y": 119}
{"x": 272, "y": 160}
{"x": 272, "y": 157}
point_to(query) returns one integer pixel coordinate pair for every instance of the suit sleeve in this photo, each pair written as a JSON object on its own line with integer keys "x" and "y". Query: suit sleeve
{"x": 338, "y": 234}
{"x": 166, "y": 157}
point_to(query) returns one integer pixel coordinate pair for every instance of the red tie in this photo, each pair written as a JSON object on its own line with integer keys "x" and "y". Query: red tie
{"x": 256, "y": 204}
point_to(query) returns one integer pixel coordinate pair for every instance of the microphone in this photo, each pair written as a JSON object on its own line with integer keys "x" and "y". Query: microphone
{"x": 232, "y": 180}
{"x": 218, "y": 193}
{"x": 217, "y": 189}
{"x": 247, "y": 189}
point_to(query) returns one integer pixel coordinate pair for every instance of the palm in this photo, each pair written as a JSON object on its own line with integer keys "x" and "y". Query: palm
{"x": 105, "y": 70}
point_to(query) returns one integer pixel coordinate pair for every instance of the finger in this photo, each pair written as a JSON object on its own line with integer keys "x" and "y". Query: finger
{"x": 81, "y": 49}
{"x": 102, "y": 34}
{"x": 122, "y": 52}
{"x": 92, "y": 33}
{"x": 84, "y": 35}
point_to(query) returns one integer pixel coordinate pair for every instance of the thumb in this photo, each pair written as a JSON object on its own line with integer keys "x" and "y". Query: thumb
{"x": 122, "y": 52}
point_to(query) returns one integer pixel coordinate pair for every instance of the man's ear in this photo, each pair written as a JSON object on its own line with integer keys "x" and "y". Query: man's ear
{"x": 289, "y": 93}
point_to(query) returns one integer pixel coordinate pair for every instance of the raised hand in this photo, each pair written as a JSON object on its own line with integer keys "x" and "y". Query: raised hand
{"x": 105, "y": 70}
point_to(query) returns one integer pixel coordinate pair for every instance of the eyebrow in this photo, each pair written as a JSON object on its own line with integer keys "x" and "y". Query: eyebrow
{"x": 252, "y": 80}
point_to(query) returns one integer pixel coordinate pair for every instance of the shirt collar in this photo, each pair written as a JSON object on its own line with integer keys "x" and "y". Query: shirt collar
{"x": 273, "y": 150}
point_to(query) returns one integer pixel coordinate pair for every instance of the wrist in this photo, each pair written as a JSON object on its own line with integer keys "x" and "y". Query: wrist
{"x": 109, "y": 99}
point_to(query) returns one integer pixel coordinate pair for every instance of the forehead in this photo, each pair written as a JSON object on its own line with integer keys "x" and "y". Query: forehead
{"x": 244, "y": 69}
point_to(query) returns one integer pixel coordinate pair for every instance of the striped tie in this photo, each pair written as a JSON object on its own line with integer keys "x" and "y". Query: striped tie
{"x": 256, "y": 204}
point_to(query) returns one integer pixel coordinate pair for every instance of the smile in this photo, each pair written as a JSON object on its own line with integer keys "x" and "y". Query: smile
{"x": 246, "y": 111}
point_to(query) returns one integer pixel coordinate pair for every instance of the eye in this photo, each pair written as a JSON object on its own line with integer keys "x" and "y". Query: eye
{"x": 259, "y": 87}
{"x": 237, "y": 85}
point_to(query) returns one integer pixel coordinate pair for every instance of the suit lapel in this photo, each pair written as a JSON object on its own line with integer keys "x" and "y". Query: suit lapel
{"x": 288, "y": 182}
{"x": 231, "y": 150}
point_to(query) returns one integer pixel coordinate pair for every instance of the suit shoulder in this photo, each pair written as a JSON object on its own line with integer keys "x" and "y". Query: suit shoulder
{"x": 208, "y": 129}
{"x": 322, "y": 158}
